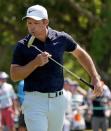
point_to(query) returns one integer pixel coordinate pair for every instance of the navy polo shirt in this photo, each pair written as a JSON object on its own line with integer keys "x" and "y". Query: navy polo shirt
{"x": 48, "y": 78}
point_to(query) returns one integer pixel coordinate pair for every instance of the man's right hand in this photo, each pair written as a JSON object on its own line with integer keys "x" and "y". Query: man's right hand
{"x": 43, "y": 58}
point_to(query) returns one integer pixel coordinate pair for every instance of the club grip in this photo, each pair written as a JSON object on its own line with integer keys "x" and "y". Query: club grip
{"x": 88, "y": 84}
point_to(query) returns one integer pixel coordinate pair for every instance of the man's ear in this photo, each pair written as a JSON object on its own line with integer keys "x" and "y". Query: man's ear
{"x": 46, "y": 22}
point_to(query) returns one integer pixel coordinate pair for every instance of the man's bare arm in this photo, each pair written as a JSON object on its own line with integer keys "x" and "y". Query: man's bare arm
{"x": 86, "y": 61}
{"x": 18, "y": 72}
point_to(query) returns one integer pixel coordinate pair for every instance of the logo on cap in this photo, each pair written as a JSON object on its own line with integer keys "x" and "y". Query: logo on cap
{"x": 36, "y": 12}
{"x": 31, "y": 11}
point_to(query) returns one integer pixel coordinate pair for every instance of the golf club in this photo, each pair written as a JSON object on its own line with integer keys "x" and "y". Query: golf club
{"x": 73, "y": 74}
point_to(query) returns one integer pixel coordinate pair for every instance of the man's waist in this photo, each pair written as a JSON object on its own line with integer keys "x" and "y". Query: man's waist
{"x": 43, "y": 89}
{"x": 45, "y": 94}
{"x": 43, "y": 86}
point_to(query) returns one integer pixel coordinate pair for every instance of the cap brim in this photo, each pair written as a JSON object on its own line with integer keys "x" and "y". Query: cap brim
{"x": 33, "y": 17}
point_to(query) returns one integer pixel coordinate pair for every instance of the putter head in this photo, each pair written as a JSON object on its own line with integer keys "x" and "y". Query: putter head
{"x": 31, "y": 40}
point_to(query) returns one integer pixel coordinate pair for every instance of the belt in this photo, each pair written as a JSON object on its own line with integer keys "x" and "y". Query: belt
{"x": 49, "y": 95}
{"x": 55, "y": 94}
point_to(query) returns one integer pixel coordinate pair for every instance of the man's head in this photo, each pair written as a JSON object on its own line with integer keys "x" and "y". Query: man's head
{"x": 37, "y": 21}
{"x": 3, "y": 77}
{"x": 74, "y": 85}
{"x": 37, "y": 12}
{"x": 67, "y": 82}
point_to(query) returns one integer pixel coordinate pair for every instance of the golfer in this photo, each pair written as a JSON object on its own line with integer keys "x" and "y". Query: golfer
{"x": 44, "y": 103}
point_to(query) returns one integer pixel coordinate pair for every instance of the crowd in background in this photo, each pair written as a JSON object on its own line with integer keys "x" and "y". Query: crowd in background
{"x": 11, "y": 116}
{"x": 83, "y": 108}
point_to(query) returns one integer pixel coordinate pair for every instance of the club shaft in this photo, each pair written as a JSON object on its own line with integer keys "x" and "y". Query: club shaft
{"x": 73, "y": 74}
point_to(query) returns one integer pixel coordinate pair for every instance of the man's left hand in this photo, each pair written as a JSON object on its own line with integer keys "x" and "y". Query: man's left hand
{"x": 98, "y": 86}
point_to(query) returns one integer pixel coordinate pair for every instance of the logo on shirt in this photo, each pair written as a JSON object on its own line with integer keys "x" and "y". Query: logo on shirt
{"x": 55, "y": 43}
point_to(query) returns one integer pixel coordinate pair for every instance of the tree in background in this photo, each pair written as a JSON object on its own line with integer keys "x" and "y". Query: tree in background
{"x": 87, "y": 21}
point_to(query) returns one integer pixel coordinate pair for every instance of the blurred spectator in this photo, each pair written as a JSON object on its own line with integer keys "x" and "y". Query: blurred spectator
{"x": 0, "y": 121}
{"x": 8, "y": 103}
{"x": 78, "y": 107}
{"x": 22, "y": 125}
{"x": 68, "y": 95}
{"x": 21, "y": 93}
{"x": 100, "y": 112}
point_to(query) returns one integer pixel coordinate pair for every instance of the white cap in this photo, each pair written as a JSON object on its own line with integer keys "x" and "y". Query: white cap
{"x": 36, "y": 12}
{"x": 3, "y": 75}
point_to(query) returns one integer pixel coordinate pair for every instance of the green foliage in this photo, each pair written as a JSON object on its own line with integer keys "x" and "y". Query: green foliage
{"x": 100, "y": 47}
{"x": 88, "y": 22}
{"x": 98, "y": 6}
{"x": 83, "y": 21}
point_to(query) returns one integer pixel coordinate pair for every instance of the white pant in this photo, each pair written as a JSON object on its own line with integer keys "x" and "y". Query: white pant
{"x": 42, "y": 113}
{"x": 66, "y": 126}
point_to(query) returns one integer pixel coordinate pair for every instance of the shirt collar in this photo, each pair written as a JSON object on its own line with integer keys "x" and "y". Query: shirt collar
{"x": 51, "y": 33}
